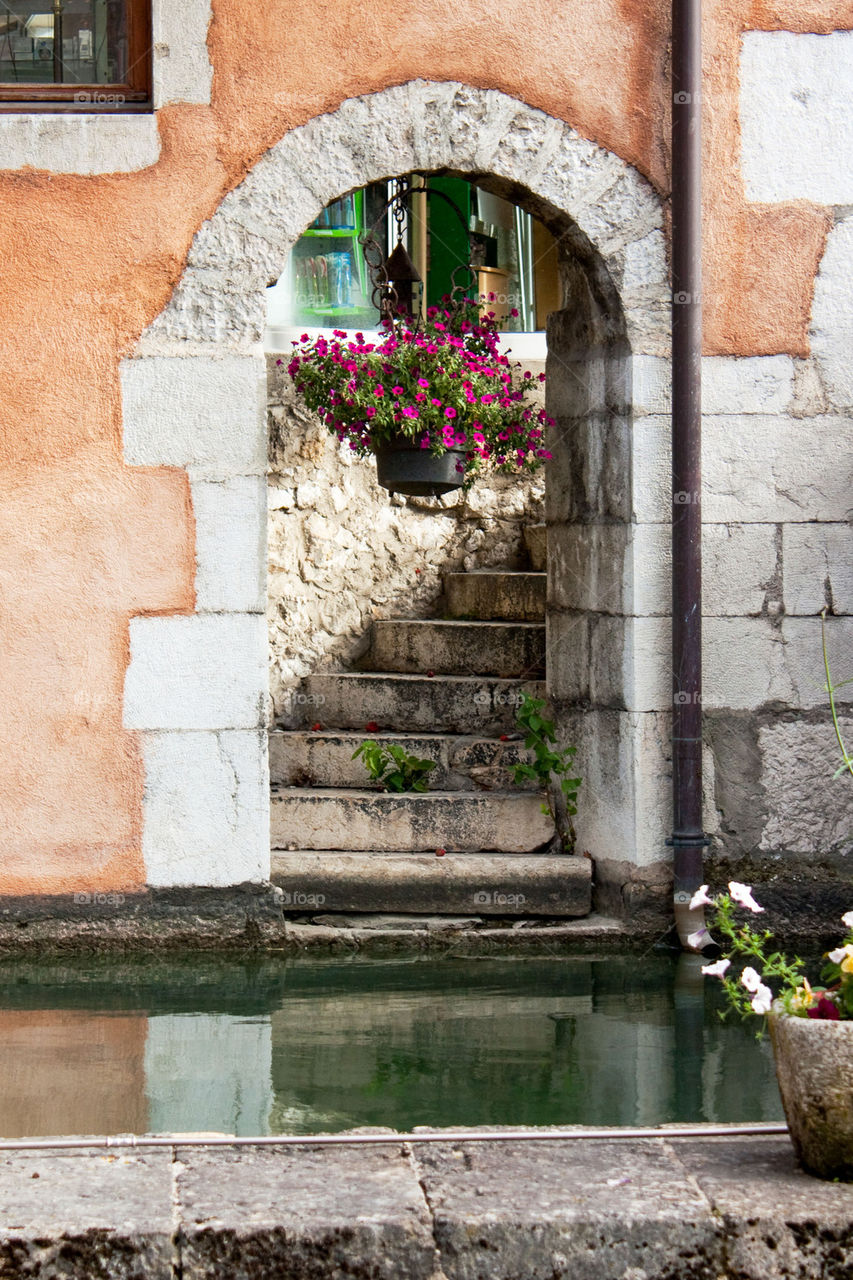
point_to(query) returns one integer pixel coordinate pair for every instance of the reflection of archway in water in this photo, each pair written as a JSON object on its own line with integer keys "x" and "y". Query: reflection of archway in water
{"x": 199, "y": 362}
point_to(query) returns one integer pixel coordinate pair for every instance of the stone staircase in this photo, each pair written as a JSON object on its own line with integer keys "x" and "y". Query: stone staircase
{"x": 446, "y": 689}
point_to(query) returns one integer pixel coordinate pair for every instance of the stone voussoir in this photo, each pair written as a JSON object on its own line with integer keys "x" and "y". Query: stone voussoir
{"x": 451, "y": 704}
{"x": 512, "y": 822}
{"x": 300, "y": 758}
{"x": 412, "y": 883}
{"x": 496, "y": 594}
{"x": 451, "y": 647}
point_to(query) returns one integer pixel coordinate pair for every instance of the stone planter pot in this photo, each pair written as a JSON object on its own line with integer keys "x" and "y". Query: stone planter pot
{"x": 403, "y": 467}
{"x": 814, "y": 1067}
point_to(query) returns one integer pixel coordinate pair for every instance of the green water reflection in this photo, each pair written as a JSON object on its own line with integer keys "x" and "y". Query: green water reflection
{"x": 301, "y": 1046}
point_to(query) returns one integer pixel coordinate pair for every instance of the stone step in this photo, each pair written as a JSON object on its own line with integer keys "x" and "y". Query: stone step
{"x": 458, "y": 884}
{"x": 489, "y": 594}
{"x": 337, "y": 818}
{"x": 536, "y": 541}
{"x": 485, "y": 706}
{"x": 300, "y": 758}
{"x": 458, "y": 648}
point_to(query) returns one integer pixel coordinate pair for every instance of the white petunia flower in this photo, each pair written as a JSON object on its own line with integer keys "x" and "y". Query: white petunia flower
{"x": 700, "y": 898}
{"x": 762, "y": 1000}
{"x": 847, "y": 919}
{"x": 716, "y": 970}
{"x": 839, "y": 953}
{"x": 742, "y": 893}
{"x": 750, "y": 979}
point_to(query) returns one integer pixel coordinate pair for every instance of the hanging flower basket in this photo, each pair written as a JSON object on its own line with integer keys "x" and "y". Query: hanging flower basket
{"x": 435, "y": 401}
{"x": 402, "y": 466}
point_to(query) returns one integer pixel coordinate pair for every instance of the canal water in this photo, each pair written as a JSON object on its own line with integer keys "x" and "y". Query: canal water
{"x": 298, "y": 1046}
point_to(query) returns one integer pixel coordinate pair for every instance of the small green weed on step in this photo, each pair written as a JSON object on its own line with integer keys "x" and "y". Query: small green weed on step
{"x": 392, "y": 767}
{"x": 540, "y": 738}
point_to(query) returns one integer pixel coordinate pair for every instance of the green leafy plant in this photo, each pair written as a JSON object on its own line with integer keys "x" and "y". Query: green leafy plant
{"x": 391, "y": 766}
{"x": 548, "y": 763}
{"x": 750, "y": 993}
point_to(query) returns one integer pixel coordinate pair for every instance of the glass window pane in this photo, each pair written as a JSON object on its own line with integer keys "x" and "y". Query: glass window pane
{"x": 457, "y": 234}
{"x": 72, "y": 42}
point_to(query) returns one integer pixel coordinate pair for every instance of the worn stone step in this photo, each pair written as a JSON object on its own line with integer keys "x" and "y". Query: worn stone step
{"x": 496, "y": 594}
{"x": 482, "y": 884}
{"x": 536, "y": 541}
{"x": 300, "y": 758}
{"x": 441, "y": 704}
{"x": 451, "y": 647}
{"x": 337, "y": 818}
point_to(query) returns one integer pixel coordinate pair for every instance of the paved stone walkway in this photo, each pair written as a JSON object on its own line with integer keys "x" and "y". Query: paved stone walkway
{"x": 643, "y": 1209}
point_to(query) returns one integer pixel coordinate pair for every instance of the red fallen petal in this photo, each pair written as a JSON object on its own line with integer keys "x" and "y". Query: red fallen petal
{"x": 439, "y": 853}
{"x": 315, "y": 727}
{"x": 417, "y": 570}
{"x": 504, "y": 737}
{"x": 430, "y": 673}
{"x": 371, "y": 727}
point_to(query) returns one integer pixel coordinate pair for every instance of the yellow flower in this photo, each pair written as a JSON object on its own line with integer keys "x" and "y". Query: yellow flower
{"x": 803, "y": 997}
{"x": 847, "y": 964}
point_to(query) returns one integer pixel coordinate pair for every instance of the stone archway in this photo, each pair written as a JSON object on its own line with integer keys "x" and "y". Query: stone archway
{"x": 194, "y": 397}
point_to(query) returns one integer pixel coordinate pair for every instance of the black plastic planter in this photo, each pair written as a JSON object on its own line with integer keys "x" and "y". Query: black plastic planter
{"x": 403, "y": 467}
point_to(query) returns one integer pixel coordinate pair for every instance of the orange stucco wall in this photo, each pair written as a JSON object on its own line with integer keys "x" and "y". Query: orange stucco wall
{"x": 88, "y": 262}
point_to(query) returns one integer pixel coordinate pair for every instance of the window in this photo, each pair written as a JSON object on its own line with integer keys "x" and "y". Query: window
{"x": 456, "y": 235}
{"x": 75, "y": 55}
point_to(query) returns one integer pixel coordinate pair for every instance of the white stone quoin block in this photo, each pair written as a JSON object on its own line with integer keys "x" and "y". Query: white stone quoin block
{"x": 182, "y": 70}
{"x": 746, "y": 385}
{"x": 196, "y": 411}
{"x": 817, "y": 568}
{"x": 79, "y": 143}
{"x": 205, "y": 671}
{"x": 744, "y": 664}
{"x": 796, "y": 115}
{"x": 647, "y": 571}
{"x": 804, "y": 658}
{"x": 206, "y": 808}
{"x": 651, "y": 464}
{"x": 832, "y": 315}
{"x": 230, "y": 531}
{"x": 738, "y": 564}
{"x": 763, "y": 468}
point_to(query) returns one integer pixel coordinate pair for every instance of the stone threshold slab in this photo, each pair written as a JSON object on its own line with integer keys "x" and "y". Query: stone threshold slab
{"x": 648, "y": 1208}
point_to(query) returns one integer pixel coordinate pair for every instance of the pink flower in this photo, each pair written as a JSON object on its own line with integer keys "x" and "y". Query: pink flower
{"x": 379, "y": 390}
{"x": 742, "y": 894}
{"x": 450, "y": 412}
{"x": 423, "y": 382}
{"x": 750, "y": 978}
{"x": 397, "y": 391}
{"x": 701, "y": 899}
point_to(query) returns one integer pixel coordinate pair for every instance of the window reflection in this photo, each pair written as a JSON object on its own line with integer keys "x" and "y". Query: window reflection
{"x": 459, "y": 234}
{"x": 75, "y": 42}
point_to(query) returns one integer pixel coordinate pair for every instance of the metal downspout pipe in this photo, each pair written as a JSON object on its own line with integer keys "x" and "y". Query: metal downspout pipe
{"x": 688, "y": 838}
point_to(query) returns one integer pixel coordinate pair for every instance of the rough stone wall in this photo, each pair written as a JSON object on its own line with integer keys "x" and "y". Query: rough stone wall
{"x": 342, "y": 551}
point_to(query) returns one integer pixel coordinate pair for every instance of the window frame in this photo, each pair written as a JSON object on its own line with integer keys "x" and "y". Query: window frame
{"x": 133, "y": 96}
